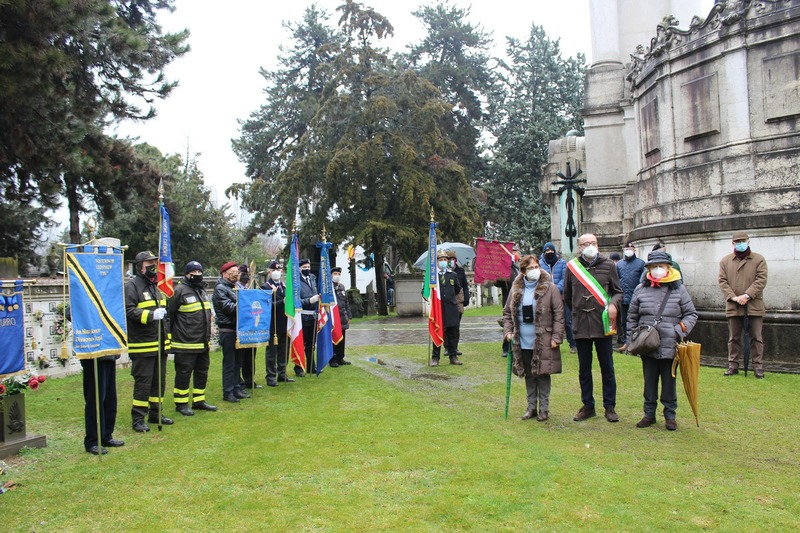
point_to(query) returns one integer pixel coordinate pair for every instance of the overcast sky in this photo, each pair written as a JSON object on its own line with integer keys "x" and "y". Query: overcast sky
{"x": 230, "y": 41}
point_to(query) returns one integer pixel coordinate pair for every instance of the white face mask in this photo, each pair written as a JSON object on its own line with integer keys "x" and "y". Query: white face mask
{"x": 658, "y": 272}
{"x": 628, "y": 253}
{"x": 275, "y": 275}
{"x": 590, "y": 252}
{"x": 336, "y": 278}
{"x": 533, "y": 273}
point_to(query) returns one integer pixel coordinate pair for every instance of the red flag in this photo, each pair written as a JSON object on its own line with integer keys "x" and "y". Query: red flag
{"x": 336, "y": 332}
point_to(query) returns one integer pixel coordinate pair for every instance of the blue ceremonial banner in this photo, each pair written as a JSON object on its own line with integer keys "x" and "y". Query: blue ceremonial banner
{"x": 253, "y": 317}
{"x": 12, "y": 329}
{"x": 97, "y": 301}
{"x": 325, "y": 284}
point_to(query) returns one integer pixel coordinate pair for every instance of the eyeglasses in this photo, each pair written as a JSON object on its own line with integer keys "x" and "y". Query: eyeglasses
{"x": 584, "y": 244}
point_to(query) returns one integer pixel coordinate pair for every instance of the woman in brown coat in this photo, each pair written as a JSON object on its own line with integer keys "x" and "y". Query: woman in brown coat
{"x": 534, "y": 318}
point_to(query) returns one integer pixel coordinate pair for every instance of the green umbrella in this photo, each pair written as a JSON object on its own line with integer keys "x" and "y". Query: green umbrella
{"x": 509, "y": 358}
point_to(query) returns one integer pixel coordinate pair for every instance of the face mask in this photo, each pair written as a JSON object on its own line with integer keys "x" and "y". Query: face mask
{"x": 442, "y": 265}
{"x": 233, "y": 278}
{"x": 244, "y": 278}
{"x": 590, "y": 252}
{"x": 658, "y": 272}
{"x": 335, "y": 278}
{"x": 194, "y": 279}
{"x": 275, "y": 275}
{"x": 532, "y": 274}
{"x": 740, "y": 246}
{"x": 150, "y": 272}
{"x": 628, "y": 253}
{"x": 451, "y": 264}
{"x": 305, "y": 272}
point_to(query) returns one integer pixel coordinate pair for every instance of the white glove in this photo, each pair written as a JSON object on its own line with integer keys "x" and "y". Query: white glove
{"x": 159, "y": 313}
{"x": 314, "y": 299}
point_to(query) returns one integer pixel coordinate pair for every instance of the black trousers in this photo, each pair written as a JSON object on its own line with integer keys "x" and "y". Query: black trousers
{"x": 231, "y": 363}
{"x": 276, "y": 357}
{"x": 606, "y": 359}
{"x": 622, "y": 323}
{"x": 146, "y": 394}
{"x": 654, "y": 369}
{"x": 186, "y": 364}
{"x": 107, "y": 396}
{"x": 450, "y": 342}
{"x": 338, "y": 349}
{"x": 248, "y": 357}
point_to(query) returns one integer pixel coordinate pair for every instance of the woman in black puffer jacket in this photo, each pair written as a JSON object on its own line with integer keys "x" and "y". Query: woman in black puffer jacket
{"x": 675, "y": 323}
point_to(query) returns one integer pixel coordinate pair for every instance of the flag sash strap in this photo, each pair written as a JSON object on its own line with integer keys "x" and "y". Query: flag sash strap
{"x": 594, "y": 287}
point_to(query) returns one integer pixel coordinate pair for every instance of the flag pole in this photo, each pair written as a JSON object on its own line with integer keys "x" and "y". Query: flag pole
{"x": 160, "y": 344}
{"x": 510, "y": 356}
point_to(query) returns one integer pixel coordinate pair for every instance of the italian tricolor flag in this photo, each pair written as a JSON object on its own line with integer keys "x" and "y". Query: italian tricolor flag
{"x": 292, "y": 306}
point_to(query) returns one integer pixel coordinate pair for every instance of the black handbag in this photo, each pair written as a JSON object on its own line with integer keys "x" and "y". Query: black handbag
{"x": 644, "y": 338}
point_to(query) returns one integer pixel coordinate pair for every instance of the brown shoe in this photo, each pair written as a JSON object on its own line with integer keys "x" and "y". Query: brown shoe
{"x": 584, "y": 413}
{"x": 645, "y": 422}
{"x": 435, "y": 361}
{"x": 731, "y": 371}
{"x": 611, "y": 415}
{"x": 623, "y": 348}
{"x": 530, "y": 413}
{"x": 454, "y": 360}
{"x": 543, "y": 415}
{"x": 758, "y": 374}
{"x": 671, "y": 424}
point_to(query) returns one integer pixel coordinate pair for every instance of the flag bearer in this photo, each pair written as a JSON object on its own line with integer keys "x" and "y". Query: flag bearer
{"x": 145, "y": 309}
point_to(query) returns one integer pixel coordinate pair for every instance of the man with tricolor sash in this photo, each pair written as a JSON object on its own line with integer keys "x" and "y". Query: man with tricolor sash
{"x": 148, "y": 333}
{"x": 593, "y": 294}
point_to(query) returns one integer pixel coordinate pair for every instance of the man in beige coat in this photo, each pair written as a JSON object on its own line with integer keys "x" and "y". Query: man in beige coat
{"x": 742, "y": 278}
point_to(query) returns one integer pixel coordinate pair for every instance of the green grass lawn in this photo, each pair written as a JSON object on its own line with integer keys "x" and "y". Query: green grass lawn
{"x": 388, "y": 444}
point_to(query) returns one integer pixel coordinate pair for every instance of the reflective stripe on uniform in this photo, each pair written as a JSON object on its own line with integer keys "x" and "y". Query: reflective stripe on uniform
{"x": 154, "y": 399}
{"x": 190, "y": 308}
{"x": 142, "y": 347}
{"x": 140, "y": 403}
{"x": 146, "y": 303}
{"x": 145, "y": 314}
{"x": 188, "y": 346}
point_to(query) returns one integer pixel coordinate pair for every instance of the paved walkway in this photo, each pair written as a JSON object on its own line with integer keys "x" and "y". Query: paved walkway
{"x": 415, "y": 331}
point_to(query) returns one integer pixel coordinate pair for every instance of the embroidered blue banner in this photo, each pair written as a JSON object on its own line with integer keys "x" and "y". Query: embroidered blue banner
{"x": 253, "y": 316}
{"x": 97, "y": 301}
{"x": 12, "y": 329}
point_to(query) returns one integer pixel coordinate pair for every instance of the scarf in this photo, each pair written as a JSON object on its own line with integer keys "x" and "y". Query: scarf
{"x": 742, "y": 255}
{"x": 672, "y": 275}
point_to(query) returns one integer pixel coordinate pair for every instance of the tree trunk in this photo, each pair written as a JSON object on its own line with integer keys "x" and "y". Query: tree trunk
{"x": 380, "y": 282}
{"x": 74, "y": 206}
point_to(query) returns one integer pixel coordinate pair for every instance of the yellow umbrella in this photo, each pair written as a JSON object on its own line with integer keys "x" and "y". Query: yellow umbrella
{"x": 688, "y": 357}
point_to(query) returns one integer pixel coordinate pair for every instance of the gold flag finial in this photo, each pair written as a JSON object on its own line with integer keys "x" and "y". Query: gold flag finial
{"x": 161, "y": 190}
{"x": 432, "y": 214}
{"x": 323, "y": 234}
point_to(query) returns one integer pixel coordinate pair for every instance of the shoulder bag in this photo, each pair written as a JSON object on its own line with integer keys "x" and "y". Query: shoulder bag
{"x": 644, "y": 338}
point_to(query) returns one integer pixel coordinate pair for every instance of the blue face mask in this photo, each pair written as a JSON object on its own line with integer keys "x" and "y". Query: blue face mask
{"x": 442, "y": 264}
{"x": 740, "y": 246}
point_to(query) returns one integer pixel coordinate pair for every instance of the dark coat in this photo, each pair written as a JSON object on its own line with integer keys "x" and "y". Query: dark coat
{"x": 462, "y": 279}
{"x": 587, "y": 313}
{"x": 548, "y": 319}
{"x": 449, "y": 287}
{"x": 278, "y": 288}
{"x": 189, "y": 311}
{"x": 343, "y": 305}
{"x": 224, "y": 300}
{"x": 679, "y": 308}
{"x": 630, "y": 272}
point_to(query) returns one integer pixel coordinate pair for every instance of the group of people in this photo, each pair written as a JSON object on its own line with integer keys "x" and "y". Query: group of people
{"x": 181, "y": 325}
{"x": 603, "y": 297}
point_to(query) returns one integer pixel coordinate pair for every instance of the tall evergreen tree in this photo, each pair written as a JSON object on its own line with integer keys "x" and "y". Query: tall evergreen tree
{"x": 544, "y": 95}
{"x": 454, "y": 57}
{"x": 200, "y": 231}
{"x": 68, "y": 69}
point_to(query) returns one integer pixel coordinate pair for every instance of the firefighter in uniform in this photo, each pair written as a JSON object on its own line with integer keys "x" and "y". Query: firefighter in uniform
{"x": 189, "y": 311}
{"x": 145, "y": 309}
